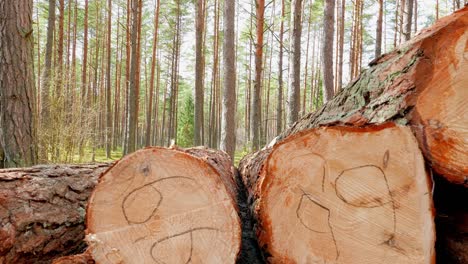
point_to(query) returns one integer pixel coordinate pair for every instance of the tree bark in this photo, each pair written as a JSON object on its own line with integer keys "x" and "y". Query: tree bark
{"x": 46, "y": 74}
{"x": 279, "y": 107}
{"x": 327, "y": 50}
{"x": 152, "y": 77}
{"x": 199, "y": 73}
{"x": 42, "y": 211}
{"x": 134, "y": 90}
{"x": 294, "y": 91}
{"x": 17, "y": 100}
{"x": 408, "y": 19}
{"x": 228, "y": 119}
{"x": 411, "y": 86}
{"x": 255, "y": 121}
{"x": 378, "y": 34}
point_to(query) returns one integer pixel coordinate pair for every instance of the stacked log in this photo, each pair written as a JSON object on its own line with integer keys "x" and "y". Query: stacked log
{"x": 42, "y": 211}
{"x": 308, "y": 211}
{"x": 161, "y": 205}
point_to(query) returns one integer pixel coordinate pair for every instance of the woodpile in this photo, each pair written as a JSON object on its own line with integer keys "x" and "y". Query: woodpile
{"x": 377, "y": 175}
{"x": 347, "y": 183}
{"x": 162, "y": 205}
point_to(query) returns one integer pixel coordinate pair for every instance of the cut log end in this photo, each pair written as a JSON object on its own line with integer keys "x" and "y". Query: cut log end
{"x": 346, "y": 195}
{"x": 441, "y": 106}
{"x": 164, "y": 206}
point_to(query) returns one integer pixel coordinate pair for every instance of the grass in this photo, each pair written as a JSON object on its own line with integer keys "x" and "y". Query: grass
{"x": 100, "y": 155}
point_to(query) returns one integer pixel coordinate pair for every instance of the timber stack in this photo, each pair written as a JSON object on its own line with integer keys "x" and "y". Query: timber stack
{"x": 377, "y": 175}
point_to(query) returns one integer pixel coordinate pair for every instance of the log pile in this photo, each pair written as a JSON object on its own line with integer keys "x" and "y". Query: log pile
{"x": 162, "y": 205}
{"x": 371, "y": 177}
{"x": 42, "y": 211}
{"x": 326, "y": 191}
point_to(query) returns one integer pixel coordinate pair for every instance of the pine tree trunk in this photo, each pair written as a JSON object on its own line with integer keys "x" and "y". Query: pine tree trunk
{"x": 294, "y": 91}
{"x": 327, "y": 51}
{"x": 17, "y": 100}
{"x": 228, "y": 119}
{"x": 199, "y": 73}
{"x": 255, "y": 121}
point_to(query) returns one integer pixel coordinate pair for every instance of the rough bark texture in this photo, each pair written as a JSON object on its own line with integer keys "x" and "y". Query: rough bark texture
{"x": 327, "y": 50}
{"x": 228, "y": 119}
{"x": 17, "y": 100}
{"x": 42, "y": 211}
{"x": 199, "y": 73}
{"x": 294, "y": 91}
{"x": 421, "y": 84}
{"x": 255, "y": 116}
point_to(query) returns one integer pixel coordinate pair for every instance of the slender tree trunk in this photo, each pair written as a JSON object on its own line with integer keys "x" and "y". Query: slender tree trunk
{"x": 17, "y": 102}
{"x": 294, "y": 91}
{"x": 256, "y": 114}
{"x": 378, "y": 38}
{"x": 46, "y": 81}
{"x": 341, "y": 46}
{"x": 228, "y": 125}
{"x": 408, "y": 18}
{"x": 132, "y": 119}
{"x": 327, "y": 52}
{"x": 58, "y": 86}
{"x": 153, "y": 73}
{"x": 108, "y": 133}
{"x": 199, "y": 73}
{"x": 279, "y": 107}
{"x": 437, "y": 10}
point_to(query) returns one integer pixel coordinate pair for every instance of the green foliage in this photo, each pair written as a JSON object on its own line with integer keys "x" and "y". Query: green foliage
{"x": 186, "y": 121}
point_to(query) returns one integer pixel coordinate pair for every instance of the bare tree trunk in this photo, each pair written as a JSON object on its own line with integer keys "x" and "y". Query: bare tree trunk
{"x": 153, "y": 73}
{"x": 378, "y": 38}
{"x": 199, "y": 73}
{"x": 228, "y": 119}
{"x": 408, "y": 19}
{"x": 17, "y": 101}
{"x": 327, "y": 51}
{"x": 132, "y": 119}
{"x": 294, "y": 91}
{"x": 256, "y": 114}
{"x": 279, "y": 107}
{"x": 341, "y": 46}
{"x": 108, "y": 133}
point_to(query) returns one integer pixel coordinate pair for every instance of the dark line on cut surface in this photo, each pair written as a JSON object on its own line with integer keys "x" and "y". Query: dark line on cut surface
{"x": 159, "y": 202}
{"x": 177, "y": 235}
{"x": 392, "y": 200}
{"x": 309, "y": 196}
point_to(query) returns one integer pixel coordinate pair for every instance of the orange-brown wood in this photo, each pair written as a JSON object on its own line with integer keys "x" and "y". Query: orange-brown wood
{"x": 344, "y": 195}
{"x": 422, "y": 84}
{"x": 165, "y": 206}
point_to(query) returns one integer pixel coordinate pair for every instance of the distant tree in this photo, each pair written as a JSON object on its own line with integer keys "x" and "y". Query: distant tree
{"x": 378, "y": 35}
{"x": 185, "y": 128}
{"x": 408, "y": 18}
{"x": 327, "y": 52}
{"x": 133, "y": 97}
{"x": 228, "y": 125}
{"x": 199, "y": 72}
{"x": 17, "y": 97}
{"x": 256, "y": 114}
{"x": 279, "y": 107}
{"x": 294, "y": 91}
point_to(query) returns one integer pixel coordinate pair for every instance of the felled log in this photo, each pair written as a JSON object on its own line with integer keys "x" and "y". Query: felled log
{"x": 423, "y": 85}
{"x": 42, "y": 211}
{"x": 162, "y": 205}
{"x": 343, "y": 195}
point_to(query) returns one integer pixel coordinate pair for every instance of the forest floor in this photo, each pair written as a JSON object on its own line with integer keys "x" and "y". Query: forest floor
{"x": 100, "y": 156}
